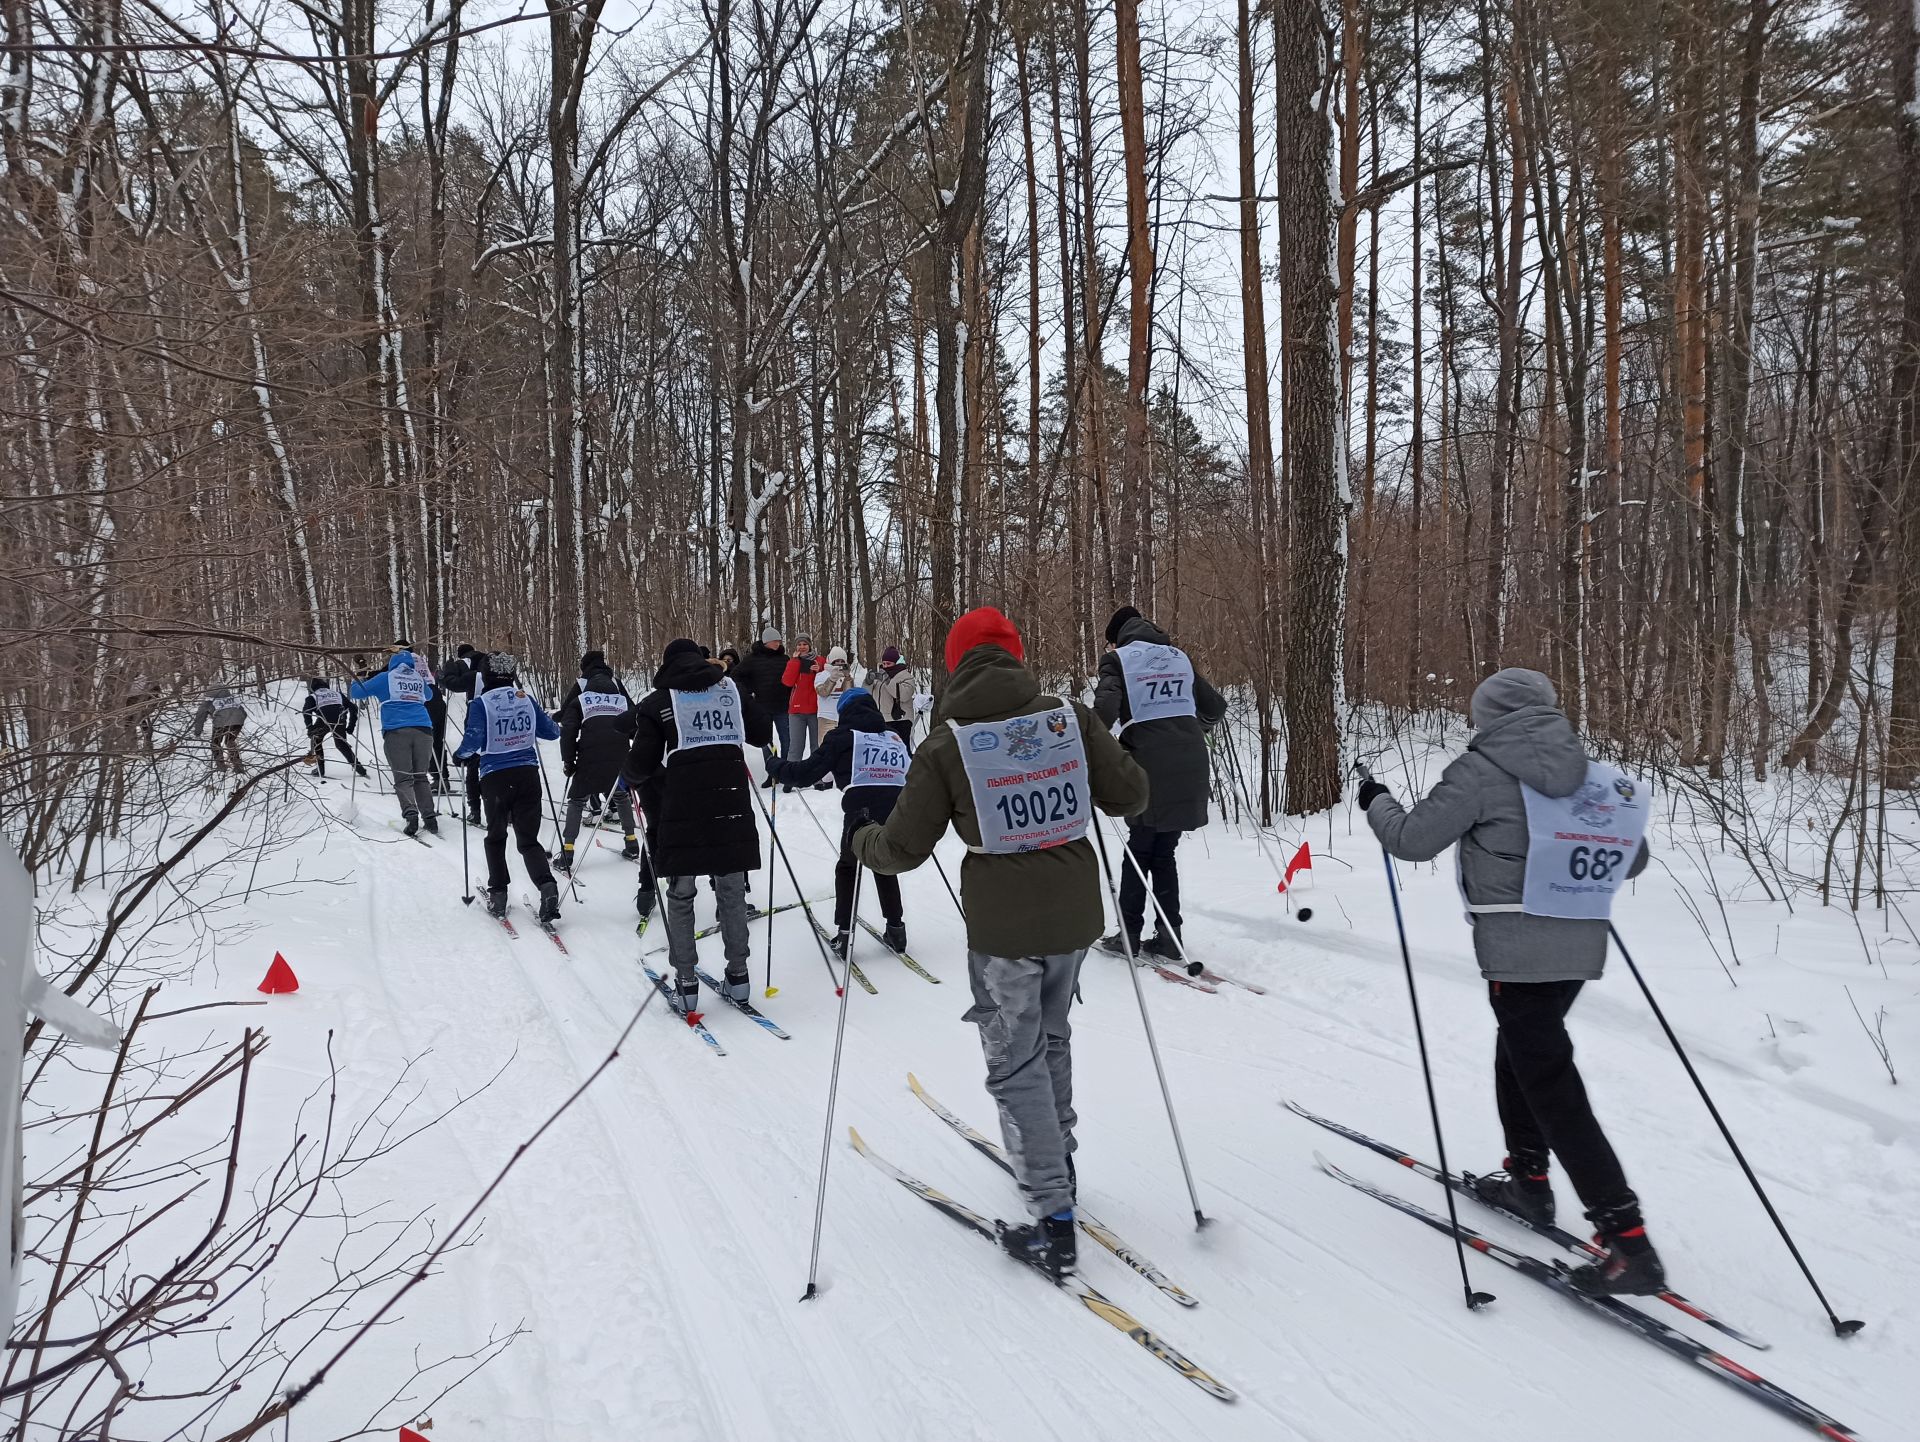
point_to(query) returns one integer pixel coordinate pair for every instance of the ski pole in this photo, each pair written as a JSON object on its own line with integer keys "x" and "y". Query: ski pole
{"x": 787, "y": 861}
{"x": 573, "y": 888}
{"x": 466, "y": 867}
{"x": 949, "y": 885}
{"x": 1200, "y": 1218}
{"x": 1475, "y": 1300}
{"x": 833, "y": 1092}
{"x": 1840, "y": 1328}
{"x": 773, "y": 881}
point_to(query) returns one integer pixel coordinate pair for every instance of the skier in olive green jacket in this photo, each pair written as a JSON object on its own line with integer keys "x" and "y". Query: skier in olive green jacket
{"x": 1017, "y": 773}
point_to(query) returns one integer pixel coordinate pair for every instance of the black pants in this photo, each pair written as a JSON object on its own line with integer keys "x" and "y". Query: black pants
{"x": 317, "y": 742}
{"x": 1543, "y": 1103}
{"x": 1153, "y": 850}
{"x": 843, "y": 875}
{"x": 473, "y": 783}
{"x": 512, "y": 798}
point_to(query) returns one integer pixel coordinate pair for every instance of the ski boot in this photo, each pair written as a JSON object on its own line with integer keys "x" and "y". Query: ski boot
{"x": 1120, "y": 945}
{"x": 683, "y": 994}
{"x": 1047, "y": 1244}
{"x": 550, "y": 903}
{"x": 842, "y": 940}
{"x": 496, "y": 904}
{"x": 563, "y": 863}
{"x": 432, "y": 823}
{"x": 473, "y": 813}
{"x": 412, "y": 828}
{"x": 737, "y": 986}
{"x": 1522, "y": 1188}
{"x": 361, "y": 772}
{"x": 895, "y": 936}
{"x": 1629, "y": 1266}
{"x": 644, "y": 901}
{"x": 630, "y": 851}
{"x": 1163, "y": 945}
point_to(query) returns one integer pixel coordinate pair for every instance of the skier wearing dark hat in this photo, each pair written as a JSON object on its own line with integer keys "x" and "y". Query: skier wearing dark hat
{"x": 465, "y": 675}
{"x": 1547, "y": 837}
{"x": 893, "y": 693}
{"x": 596, "y": 731}
{"x": 328, "y": 712}
{"x": 759, "y": 675}
{"x": 1017, "y": 774}
{"x": 504, "y": 725}
{"x": 687, "y": 765}
{"x": 1161, "y": 708}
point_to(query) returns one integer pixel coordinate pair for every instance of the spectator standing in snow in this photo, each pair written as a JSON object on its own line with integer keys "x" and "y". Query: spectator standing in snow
{"x": 803, "y": 706}
{"x": 504, "y": 728}
{"x": 228, "y": 714}
{"x": 893, "y": 693}
{"x": 328, "y": 712}
{"x": 832, "y": 682}
{"x": 689, "y": 768}
{"x": 596, "y": 731}
{"x": 1538, "y": 941}
{"x": 1162, "y": 708}
{"x": 406, "y": 732}
{"x": 1017, "y": 773}
{"x": 760, "y": 675}
{"x": 869, "y": 762}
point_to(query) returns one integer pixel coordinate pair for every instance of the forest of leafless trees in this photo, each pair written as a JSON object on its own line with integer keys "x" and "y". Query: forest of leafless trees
{"x": 1366, "y": 344}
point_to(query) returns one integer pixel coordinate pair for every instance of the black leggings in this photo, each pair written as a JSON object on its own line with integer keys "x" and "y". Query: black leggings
{"x": 512, "y": 798}
{"x": 1543, "y": 1102}
{"x": 317, "y": 740}
{"x": 844, "y": 870}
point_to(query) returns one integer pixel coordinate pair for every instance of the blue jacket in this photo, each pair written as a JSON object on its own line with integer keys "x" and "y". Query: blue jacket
{"x": 394, "y": 715}
{"x": 473, "y": 741}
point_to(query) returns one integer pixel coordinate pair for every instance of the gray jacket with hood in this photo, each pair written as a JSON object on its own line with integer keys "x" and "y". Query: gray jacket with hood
{"x": 1520, "y": 734}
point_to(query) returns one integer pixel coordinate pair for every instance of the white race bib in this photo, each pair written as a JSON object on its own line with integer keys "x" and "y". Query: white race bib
{"x": 511, "y": 719}
{"x": 602, "y": 703}
{"x": 1159, "y": 681}
{"x": 1580, "y": 846}
{"x": 879, "y": 759}
{"x": 707, "y": 718}
{"x": 1028, "y": 776}
{"x": 406, "y": 684}
{"x": 327, "y": 696}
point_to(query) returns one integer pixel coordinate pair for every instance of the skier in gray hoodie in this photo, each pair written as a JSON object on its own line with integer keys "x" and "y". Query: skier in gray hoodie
{"x": 1538, "y": 904}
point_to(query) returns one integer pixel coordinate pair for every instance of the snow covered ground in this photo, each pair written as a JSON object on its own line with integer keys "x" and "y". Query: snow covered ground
{"x": 654, "y": 1244}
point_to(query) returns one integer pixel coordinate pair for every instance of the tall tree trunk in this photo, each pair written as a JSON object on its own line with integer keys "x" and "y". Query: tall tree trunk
{"x": 1903, "y": 723}
{"x": 1136, "y": 504}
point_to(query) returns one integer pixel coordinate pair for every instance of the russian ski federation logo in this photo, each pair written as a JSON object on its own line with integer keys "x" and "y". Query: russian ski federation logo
{"x": 1023, "y": 738}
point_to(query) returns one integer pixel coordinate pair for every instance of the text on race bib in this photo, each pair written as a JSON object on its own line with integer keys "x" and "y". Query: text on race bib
{"x": 1028, "y": 779}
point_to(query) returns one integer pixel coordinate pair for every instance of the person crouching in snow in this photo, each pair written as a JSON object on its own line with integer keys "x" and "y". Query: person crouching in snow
{"x": 691, "y": 775}
{"x": 504, "y": 725}
{"x": 1538, "y": 898}
{"x": 869, "y": 761}
{"x": 1017, "y": 774}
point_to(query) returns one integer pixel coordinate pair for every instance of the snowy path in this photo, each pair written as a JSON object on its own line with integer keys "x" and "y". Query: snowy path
{"x": 655, "y": 1244}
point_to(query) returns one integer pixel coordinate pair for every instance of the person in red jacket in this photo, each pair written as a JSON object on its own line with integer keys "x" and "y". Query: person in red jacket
{"x": 803, "y": 721}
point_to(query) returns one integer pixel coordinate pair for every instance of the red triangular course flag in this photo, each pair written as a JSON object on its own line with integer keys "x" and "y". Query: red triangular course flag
{"x": 1302, "y": 861}
{"x": 280, "y": 978}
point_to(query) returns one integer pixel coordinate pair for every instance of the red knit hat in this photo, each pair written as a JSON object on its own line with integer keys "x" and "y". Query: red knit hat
{"x": 984, "y": 626}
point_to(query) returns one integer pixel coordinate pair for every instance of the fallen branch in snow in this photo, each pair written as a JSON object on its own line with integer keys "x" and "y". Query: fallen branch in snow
{"x": 1877, "y": 1033}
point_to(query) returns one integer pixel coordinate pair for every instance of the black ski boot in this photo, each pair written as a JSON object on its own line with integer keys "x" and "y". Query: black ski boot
{"x": 413, "y": 824}
{"x": 1628, "y": 1266}
{"x": 1522, "y": 1188}
{"x": 360, "y": 771}
{"x": 895, "y": 936}
{"x": 644, "y": 901}
{"x": 550, "y": 903}
{"x": 631, "y": 850}
{"x": 842, "y": 939}
{"x": 496, "y": 903}
{"x": 683, "y": 994}
{"x": 1162, "y": 945}
{"x": 737, "y": 986}
{"x": 1120, "y": 945}
{"x": 1047, "y": 1244}
{"x": 432, "y": 823}
{"x": 473, "y": 813}
{"x": 563, "y": 863}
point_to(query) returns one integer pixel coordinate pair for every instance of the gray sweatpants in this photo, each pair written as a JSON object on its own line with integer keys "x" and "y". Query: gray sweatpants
{"x": 410, "y": 754}
{"x": 1020, "y": 1005}
{"x": 730, "y": 897}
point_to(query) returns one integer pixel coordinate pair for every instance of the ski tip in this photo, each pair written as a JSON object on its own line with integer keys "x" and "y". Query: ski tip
{"x": 853, "y": 1137}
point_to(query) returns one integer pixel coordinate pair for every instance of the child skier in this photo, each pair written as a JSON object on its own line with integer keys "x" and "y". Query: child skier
{"x": 1017, "y": 774}
{"x": 691, "y": 773}
{"x": 596, "y": 732}
{"x": 406, "y": 730}
{"x": 228, "y": 714}
{"x": 504, "y": 725}
{"x": 328, "y": 712}
{"x": 1539, "y": 937}
{"x": 869, "y": 760}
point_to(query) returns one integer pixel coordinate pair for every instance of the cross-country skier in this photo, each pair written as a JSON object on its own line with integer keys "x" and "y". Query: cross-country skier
{"x": 759, "y": 675}
{"x": 1163, "y": 708}
{"x": 1017, "y": 774}
{"x": 328, "y": 713}
{"x": 504, "y": 727}
{"x": 689, "y": 768}
{"x": 406, "y": 731}
{"x": 596, "y": 732}
{"x": 465, "y": 675}
{"x": 869, "y": 761}
{"x": 228, "y": 714}
{"x": 1545, "y": 837}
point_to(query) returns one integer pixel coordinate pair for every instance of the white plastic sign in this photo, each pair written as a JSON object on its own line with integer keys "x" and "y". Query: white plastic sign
{"x": 1028, "y": 776}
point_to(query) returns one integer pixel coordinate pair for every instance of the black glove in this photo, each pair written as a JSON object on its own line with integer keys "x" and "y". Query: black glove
{"x": 1370, "y": 792}
{"x": 861, "y": 817}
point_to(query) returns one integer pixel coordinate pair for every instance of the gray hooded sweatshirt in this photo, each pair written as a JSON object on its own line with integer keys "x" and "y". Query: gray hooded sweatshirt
{"x": 1520, "y": 735}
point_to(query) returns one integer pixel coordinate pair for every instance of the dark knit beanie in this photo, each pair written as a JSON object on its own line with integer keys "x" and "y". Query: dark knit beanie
{"x": 1120, "y": 618}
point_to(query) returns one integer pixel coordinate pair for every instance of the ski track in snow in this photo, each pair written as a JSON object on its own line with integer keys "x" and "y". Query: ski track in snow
{"x": 654, "y": 1243}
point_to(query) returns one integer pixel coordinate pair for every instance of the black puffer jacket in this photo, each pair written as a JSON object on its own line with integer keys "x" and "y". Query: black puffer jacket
{"x": 834, "y": 755}
{"x": 759, "y": 676}
{"x": 699, "y": 804}
{"x": 595, "y": 746}
{"x": 1173, "y": 750}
